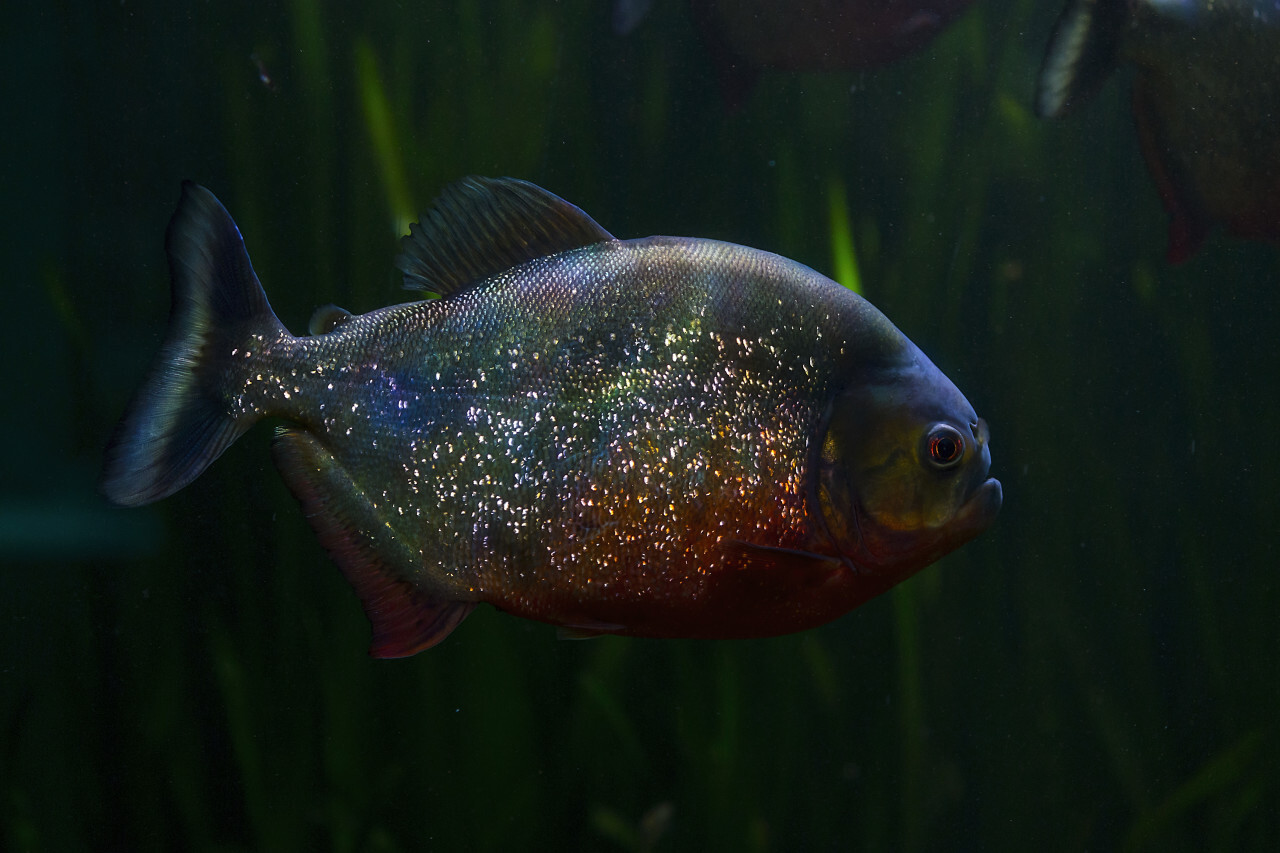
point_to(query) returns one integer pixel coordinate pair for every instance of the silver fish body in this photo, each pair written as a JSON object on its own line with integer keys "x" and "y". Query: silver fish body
{"x": 650, "y": 437}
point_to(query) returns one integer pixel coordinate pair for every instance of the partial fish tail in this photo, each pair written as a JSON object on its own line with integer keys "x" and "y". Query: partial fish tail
{"x": 183, "y": 418}
{"x": 1082, "y": 54}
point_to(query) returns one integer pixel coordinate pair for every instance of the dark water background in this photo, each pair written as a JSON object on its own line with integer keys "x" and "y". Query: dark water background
{"x": 1099, "y": 671}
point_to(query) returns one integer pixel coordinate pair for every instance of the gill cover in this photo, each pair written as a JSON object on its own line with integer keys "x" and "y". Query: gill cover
{"x": 902, "y": 470}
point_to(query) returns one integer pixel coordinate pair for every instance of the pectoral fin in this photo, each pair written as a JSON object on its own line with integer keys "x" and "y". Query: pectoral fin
{"x": 785, "y": 569}
{"x": 405, "y": 618}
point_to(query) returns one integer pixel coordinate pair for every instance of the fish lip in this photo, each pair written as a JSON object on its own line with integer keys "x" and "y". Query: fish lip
{"x": 982, "y": 507}
{"x": 890, "y": 554}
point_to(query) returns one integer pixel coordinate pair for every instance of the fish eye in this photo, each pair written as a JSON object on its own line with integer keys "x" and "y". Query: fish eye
{"x": 945, "y": 446}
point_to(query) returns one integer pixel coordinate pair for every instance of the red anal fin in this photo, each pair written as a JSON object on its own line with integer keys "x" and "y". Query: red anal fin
{"x": 1188, "y": 226}
{"x": 405, "y": 618}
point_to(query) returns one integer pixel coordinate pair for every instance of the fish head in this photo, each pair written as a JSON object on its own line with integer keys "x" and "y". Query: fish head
{"x": 902, "y": 474}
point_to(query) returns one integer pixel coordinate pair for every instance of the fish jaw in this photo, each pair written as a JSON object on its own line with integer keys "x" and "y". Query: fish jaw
{"x": 900, "y": 554}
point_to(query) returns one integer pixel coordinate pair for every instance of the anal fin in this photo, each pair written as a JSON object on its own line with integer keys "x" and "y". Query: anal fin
{"x": 405, "y": 618}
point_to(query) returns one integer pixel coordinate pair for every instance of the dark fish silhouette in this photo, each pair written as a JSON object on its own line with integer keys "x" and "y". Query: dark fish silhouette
{"x": 1206, "y": 97}
{"x": 744, "y": 36}
{"x": 662, "y": 437}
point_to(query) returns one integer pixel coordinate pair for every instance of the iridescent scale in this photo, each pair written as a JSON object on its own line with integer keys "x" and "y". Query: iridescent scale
{"x": 594, "y": 424}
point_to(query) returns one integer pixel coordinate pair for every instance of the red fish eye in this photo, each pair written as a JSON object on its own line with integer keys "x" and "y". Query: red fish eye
{"x": 946, "y": 446}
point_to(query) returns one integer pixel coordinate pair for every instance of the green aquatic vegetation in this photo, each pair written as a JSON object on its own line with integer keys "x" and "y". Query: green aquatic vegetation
{"x": 1234, "y": 775}
{"x": 844, "y": 263}
{"x": 385, "y": 138}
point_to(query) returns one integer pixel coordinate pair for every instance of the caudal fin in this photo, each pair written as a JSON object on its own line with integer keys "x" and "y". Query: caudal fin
{"x": 1081, "y": 55}
{"x": 181, "y": 419}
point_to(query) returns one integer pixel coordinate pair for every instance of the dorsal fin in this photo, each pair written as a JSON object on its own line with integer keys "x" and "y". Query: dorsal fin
{"x": 479, "y": 227}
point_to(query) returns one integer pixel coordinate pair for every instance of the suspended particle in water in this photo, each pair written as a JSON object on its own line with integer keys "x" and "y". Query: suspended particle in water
{"x": 264, "y": 74}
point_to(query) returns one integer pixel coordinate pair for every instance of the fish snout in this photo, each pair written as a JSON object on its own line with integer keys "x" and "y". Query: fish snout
{"x": 987, "y": 496}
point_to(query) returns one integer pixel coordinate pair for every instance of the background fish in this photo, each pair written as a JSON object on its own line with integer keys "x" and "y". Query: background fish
{"x": 659, "y": 437}
{"x": 1206, "y": 99}
{"x": 814, "y": 35}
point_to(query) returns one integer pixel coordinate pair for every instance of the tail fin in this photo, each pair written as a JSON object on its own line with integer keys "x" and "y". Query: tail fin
{"x": 1081, "y": 55}
{"x": 181, "y": 420}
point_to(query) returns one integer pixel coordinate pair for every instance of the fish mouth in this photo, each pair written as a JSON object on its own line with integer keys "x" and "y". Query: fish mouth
{"x": 983, "y": 504}
{"x": 981, "y": 509}
{"x": 904, "y": 553}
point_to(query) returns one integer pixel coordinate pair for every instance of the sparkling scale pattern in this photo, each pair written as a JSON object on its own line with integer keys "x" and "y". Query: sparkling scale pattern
{"x": 588, "y": 427}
